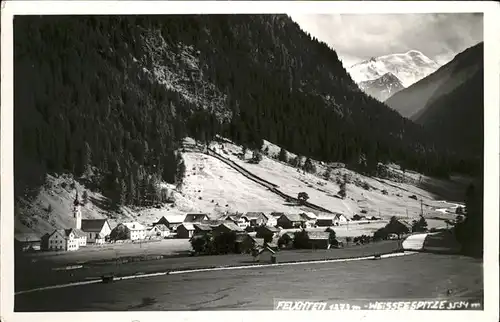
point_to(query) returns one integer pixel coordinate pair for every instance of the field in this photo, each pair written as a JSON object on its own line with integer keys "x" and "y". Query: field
{"x": 322, "y": 192}
{"x": 420, "y": 276}
{"x": 111, "y": 251}
{"x": 27, "y": 273}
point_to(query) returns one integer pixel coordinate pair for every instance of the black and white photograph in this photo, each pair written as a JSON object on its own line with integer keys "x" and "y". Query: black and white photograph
{"x": 267, "y": 161}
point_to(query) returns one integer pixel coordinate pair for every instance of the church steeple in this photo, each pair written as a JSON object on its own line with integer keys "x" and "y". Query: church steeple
{"x": 77, "y": 213}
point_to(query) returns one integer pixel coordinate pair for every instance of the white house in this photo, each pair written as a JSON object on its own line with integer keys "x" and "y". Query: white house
{"x": 96, "y": 230}
{"x": 240, "y": 220}
{"x": 159, "y": 230}
{"x": 171, "y": 221}
{"x": 340, "y": 218}
{"x": 130, "y": 230}
{"x": 272, "y": 219}
{"x": 310, "y": 218}
{"x": 63, "y": 239}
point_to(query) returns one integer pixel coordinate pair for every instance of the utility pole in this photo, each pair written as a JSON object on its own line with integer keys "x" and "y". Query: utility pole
{"x": 421, "y": 207}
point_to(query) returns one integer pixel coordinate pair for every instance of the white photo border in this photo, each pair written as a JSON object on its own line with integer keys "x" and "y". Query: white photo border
{"x": 491, "y": 14}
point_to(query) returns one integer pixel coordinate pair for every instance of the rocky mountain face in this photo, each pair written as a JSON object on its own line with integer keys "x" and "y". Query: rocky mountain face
{"x": 407, "y": 68}
{"x": 382, "y": 87}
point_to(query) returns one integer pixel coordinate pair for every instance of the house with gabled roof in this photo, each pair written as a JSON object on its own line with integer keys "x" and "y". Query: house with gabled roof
{"x": 129, "y": 230}
{"x": 191, "y": 218}
{"x": 27, "y": 241}
{"x": 239, "y": 219}
{"x": 159, "y": 231}
{"x": 63, "y": 240}
{"x": 318, "y": 239}
{"x": 287, "y": 221}
{"x": 228, "y": 226}
{"x": 202, "y": 228}
{"x": 256, "y": 218}
{"x": 310, "y": 218}
{"x": 171, "y": 221}
{"x": 267, "y": 232}
{"x": 399, "y": 227}
{"x": 185, "y": 230}
{"x": 96, "y": 230}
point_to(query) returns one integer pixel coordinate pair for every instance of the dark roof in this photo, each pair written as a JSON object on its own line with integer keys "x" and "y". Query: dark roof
{"x": 254, "y": 215}
{"x": 27, "y": 237}
{"x": 212, "y": 222}
{"x": 93, "y": 225}
{"x": 277, "y": 214}
{"x": 294, "y": 217}
{"x": 161, "y": 227}
{"x": 231, "y": 226}
{"x": 78, "y": 233}
{"x": 271, "y": 229}
{"x": 202, "y": 227}
{"x": 195, "y": 217}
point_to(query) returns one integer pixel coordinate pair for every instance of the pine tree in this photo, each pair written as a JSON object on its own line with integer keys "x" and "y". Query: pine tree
{"x": 283, "y": 157}
{"x": 309, "y": 166}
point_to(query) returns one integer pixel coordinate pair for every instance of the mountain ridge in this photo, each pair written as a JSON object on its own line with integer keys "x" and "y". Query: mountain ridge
{"x": 382, "y": 87}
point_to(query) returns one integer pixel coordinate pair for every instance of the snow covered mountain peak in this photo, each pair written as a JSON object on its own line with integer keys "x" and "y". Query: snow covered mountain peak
{"x": 409, "y": 67}
{"x": 383, "y": 87}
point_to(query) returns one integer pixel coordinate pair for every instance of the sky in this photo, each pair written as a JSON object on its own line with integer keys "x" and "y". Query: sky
{"x": 358, "y": 37}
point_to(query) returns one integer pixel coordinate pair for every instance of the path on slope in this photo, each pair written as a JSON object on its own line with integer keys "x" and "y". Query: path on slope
{"x": 271, "y": 186}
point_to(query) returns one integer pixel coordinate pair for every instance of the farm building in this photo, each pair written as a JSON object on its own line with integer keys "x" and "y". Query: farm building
{"x": 185, "y": 230}
{"x": 190, "y": 218}
{"x": 171, "y": 221}
{"x": 318, "y": 239}
{"x": 212, "y": 222}
{"x": 325, "y": 221}
{"x": 291, "y": 221}
{"x": 272, "y": 220}
{"x": 239, "y": 220}
{"x": 340, "y": 218}
{"x": 27, "y": 242}
{"x": 226, "y": 227}
{"x": 64, "y": 239}
{"x": 159, "y": 230}
{"x": 256, "y": 218}
{"x": 398, "y": 227}
{"x": 131, "y": 230}
{"x": 310, "y": 218}
{"x": 201, "y": 228}
{"x": 96, "y": 230}
{"x": 264, "y": 231}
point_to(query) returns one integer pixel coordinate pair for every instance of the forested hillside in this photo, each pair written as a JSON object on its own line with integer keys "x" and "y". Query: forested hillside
{"x": 108, "y": 98}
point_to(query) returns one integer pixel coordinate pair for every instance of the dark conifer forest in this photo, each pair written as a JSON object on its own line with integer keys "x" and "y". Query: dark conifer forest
{"x": 87, "y": 103}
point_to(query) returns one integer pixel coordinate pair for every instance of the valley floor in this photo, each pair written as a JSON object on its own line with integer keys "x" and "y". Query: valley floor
{"x": 419, "y": 276}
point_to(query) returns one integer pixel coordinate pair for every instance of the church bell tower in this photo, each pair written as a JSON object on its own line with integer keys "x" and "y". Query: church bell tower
{"x": 77, "y": 212}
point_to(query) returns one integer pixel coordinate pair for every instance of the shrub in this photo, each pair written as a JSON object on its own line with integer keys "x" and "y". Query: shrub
{"x": 257, "y": 157}
{"x": 420, "y": 225}
{"x": 300, "y": 239}
{"x": 302, "y": 196}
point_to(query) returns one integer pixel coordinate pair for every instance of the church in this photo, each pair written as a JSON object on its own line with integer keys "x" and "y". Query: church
{"x": 94, "y": 230}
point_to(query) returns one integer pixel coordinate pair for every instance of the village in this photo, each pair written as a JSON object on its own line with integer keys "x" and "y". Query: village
{"x": 252, "y": 232}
